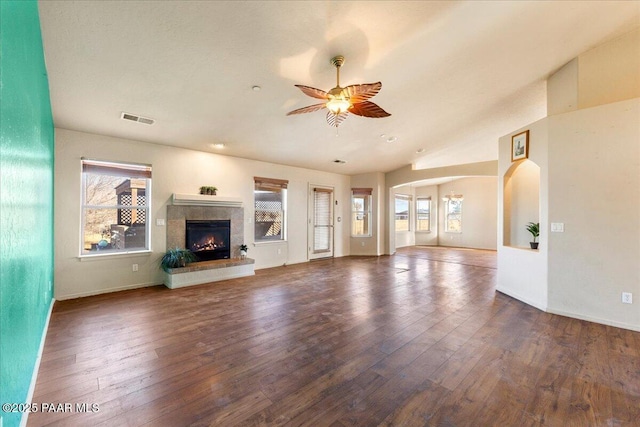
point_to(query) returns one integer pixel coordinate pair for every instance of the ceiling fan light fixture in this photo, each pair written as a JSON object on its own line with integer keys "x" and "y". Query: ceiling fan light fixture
{"x": 337, "y": 106}
{"x": 340, "y": 101}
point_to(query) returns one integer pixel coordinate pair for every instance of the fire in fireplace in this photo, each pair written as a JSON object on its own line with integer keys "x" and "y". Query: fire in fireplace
{"x": 209, "y": 240}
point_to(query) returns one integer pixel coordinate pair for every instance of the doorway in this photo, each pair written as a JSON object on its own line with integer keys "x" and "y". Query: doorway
{"x": 320, "y": 222}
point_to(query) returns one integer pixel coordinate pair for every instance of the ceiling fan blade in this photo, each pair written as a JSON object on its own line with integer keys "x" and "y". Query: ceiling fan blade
{"x": 309, "y": 109}
{"x": 312, "y": 92}
{"x": 368, "y": 109}
{"x": 336, "y": 119}
{"x": 360, "y": 93}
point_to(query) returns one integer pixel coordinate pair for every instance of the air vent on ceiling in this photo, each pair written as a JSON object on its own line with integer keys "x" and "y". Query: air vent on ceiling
{"x": 134, "y": 118}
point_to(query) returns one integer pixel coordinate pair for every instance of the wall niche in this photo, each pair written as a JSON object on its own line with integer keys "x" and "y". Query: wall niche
{"x": 521, "y": 204}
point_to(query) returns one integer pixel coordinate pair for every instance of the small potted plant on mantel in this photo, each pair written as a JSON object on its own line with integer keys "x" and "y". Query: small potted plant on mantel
{"x": 208, "y": 190}
{"x": 176, "y": 258}
{"x": 534, "y": 229}
{"x": 243, "y": 251}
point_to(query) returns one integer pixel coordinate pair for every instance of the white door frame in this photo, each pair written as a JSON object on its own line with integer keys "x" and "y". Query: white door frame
{"x": 311, "y": 254}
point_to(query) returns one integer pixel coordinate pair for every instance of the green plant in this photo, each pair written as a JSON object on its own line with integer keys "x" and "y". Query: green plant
{"x": 244, "y": 247}
{"x": 176, "y": 257}
{"x": 208, "y": 189}
{"x": 534, "y": 229}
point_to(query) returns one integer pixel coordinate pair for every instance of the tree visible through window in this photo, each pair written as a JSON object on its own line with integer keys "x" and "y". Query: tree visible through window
{"x": 115, "y": 207}
{"x": 270, "y": 197}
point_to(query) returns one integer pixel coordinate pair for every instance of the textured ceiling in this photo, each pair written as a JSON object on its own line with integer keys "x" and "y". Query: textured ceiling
{"x": 456, "y": 75}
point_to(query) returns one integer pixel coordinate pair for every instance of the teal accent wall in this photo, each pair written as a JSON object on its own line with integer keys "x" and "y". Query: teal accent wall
{"x": 26, "y": 200}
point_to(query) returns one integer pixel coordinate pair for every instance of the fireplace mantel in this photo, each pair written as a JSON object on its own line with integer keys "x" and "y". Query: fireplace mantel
{"x": 203, "y": 200}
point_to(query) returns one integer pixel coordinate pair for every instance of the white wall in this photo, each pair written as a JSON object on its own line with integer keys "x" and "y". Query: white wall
{"x": 610, "y": 72}
{"x": 479, "y": 214}
{"x": 589, "y": 158}
{"x": 594, "y": 189}
{"x": 522, "y": 272}
{"x": 175, "y": 170}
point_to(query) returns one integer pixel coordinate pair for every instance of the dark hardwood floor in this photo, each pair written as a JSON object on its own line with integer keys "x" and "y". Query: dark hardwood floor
{"x": 419, "y": 338}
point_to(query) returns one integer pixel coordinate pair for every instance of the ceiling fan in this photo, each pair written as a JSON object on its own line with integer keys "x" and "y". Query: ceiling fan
{"x": 340, "y": 101}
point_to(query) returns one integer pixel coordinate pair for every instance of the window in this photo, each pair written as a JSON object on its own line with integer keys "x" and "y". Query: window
{"x": 402, "y": 212}
{"x": 270, "y": 196}
{"x": 423, "y": 214}
{"x": 116, "y": 201}
{"x": 361, "y": 212}
{"x": 453, "y": 214}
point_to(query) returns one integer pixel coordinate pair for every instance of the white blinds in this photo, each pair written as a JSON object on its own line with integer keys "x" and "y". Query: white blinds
{"x": 322, "y": 221}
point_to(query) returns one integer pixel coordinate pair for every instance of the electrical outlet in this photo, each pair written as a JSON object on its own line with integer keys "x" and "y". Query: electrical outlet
{"x": 160, "y": 221}
{"x": 279, "y": 251}
{"x": 362, "y": 244}
{"x": 627, "y": 297}
{"x": 135, "y": 267}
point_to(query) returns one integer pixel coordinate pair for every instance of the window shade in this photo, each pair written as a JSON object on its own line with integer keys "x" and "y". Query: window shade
{"x": 270, "y": 183}
{"x": 322, "y": 220}
{"x": 362, "y": 191}
{"x": 116, "y": 169}
{"x": 404, "y": 197}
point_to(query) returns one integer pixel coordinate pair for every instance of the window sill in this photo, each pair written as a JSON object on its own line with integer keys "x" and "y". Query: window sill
{"x": 113, "y": 255}
{"x": 424, "y": 232}
{"x": 361, "y": 236}
{"x": 272, "y": 242}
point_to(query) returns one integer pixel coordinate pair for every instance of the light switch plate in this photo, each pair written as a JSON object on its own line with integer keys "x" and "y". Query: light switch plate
{"x": 159, "y": 221}
{"x": 557, "y": 227}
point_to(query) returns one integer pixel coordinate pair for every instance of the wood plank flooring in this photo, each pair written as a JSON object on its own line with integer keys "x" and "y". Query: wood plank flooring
{"x": 415, "y": 339}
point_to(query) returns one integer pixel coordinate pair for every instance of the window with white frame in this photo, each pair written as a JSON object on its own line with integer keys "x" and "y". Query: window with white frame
{"x": 361, "y": 212}
{"x": 116, "y": 201}
{"x": 402, "y": 212}
{"x": 423, "y": 214}
{"x": 270, "y": 198}
{"x": 453, "y": 213}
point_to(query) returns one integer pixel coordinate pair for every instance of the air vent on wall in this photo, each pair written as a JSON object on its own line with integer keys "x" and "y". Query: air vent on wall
{"x": 134, "y": 118}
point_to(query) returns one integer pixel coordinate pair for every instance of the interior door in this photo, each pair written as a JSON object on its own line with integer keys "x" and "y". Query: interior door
{"x": 321, "y": 222}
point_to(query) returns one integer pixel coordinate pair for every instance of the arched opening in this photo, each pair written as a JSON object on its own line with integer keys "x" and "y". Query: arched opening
{"x": 521, "y": 202}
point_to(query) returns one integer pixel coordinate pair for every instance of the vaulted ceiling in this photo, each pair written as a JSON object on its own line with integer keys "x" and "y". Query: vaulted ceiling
{"x": 455, "y": 75}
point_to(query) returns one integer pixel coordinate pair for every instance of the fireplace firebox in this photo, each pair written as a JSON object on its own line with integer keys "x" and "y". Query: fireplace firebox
{"x": 209, "y": 240}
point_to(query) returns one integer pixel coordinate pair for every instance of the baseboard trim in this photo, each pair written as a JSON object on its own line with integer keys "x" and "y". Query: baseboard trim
{"x": 595, "y": 319}
{"x": 106, "y": 291}
{"x": 525, "y": 300}
{"x": 36, "y": 367}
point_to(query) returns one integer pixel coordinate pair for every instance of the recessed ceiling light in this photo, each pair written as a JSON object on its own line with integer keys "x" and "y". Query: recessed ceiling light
{"x": 340, "y": 162}
{"x": 392, "y": 139}
{"x": 420, "y": 150}
{"x": 382, "y": 135}
{"x": 256, "y": 88}
{"x": 219, "y": 145}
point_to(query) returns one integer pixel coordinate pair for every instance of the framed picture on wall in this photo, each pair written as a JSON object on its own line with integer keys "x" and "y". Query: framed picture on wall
{"x": 520, "y": 146}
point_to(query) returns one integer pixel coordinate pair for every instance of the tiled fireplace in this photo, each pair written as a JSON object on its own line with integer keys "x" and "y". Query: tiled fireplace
{"x": 177, "y": 217}
{"x": 231, "y": 266}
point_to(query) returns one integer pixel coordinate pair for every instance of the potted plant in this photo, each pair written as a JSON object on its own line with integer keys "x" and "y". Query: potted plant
{"x": 208, "y": 190}
{"x": 243, "y": 251}
{"x": 534, "y": 229}
{"x": 176, "y": 258}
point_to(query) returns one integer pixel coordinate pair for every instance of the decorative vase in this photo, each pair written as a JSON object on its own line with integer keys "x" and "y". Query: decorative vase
{"x": 243, "y": 254}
